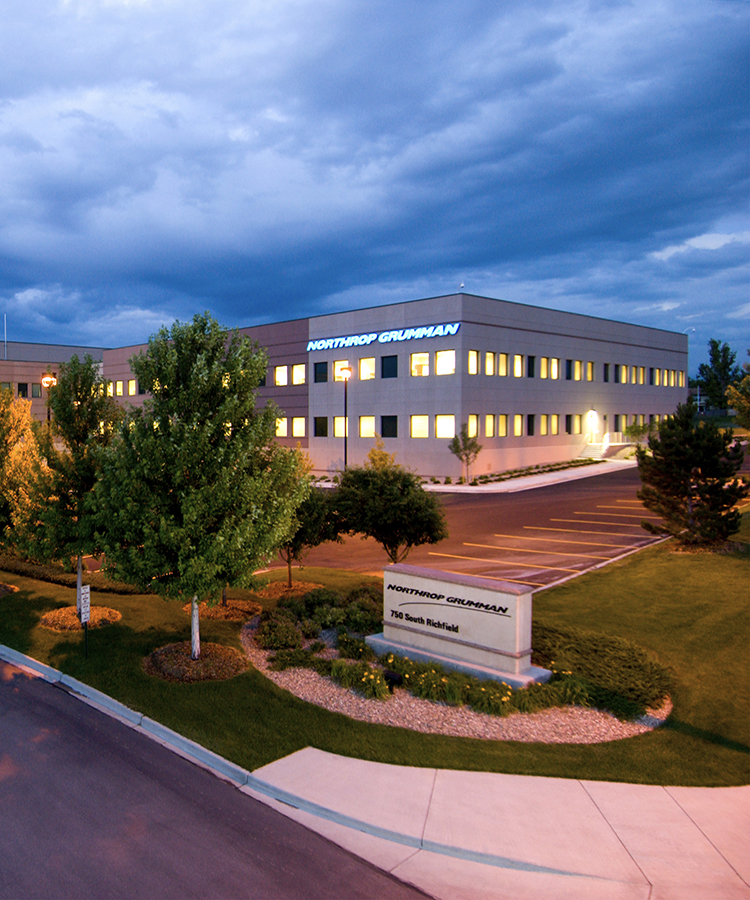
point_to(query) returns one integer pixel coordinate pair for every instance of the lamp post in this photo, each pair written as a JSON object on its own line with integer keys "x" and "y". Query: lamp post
{"x": 346, "y": 374}
{"x": 48, "y": 381}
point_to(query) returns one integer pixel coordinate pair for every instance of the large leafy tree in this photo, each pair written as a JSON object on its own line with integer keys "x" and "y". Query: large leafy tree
{"x": 84, "y": 419}
{"x": 21, "y": 462}
{"x": 738, "y": 396}
{"x": 716, "y": 376}
{"x": 389, "y": 504}
{"x": 688, "y": 477}
{"x": 197, "y": 494}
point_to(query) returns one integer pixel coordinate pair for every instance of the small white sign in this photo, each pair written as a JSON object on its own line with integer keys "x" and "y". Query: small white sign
{"x": 85, "y": 603}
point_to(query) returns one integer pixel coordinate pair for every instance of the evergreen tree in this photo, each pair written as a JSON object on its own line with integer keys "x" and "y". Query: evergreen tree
{"x": 715, "y": 376}
{"x": 84, "y": 419}
{"x": 689, "y": 479}
{"x": 738, "y": 396}
{"x": 466, "y": 448}
{"x": 196, "y": 494}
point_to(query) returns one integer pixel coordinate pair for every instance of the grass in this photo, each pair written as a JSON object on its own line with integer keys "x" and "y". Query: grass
{"x": 690, "y": 610}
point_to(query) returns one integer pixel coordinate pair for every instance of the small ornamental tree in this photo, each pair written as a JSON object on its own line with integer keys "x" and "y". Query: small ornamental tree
{"x": 466, "y": 448}
{"x": 84, "y": 419}
{"x": 197, "y": 494}
{"x": 389, "y": 504}
{"x": 317, "y": 523}
{"x": 689, "y": 479}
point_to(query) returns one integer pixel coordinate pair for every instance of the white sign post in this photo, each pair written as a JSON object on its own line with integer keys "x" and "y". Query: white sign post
{"x": 86, "y": 613}
{"x": 476, "y": 625}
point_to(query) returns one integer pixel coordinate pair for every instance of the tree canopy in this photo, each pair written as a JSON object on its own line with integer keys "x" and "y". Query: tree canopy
{"x": 738, "y": 396}
{"x": 196, "y": 493}
{"x": 389, "y": 504}
{"x": 718, "y": 374}
{"x": 20, "y": 460}
{"x": 317, "y": 523}
{"x": 688, "y": 477}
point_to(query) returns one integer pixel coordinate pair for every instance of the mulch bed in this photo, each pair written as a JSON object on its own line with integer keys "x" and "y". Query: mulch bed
{"x": 66, "y": 619}
{"x": 234, "y": 611}
{"x": 7, "y": 589}
{"x": 216, "y": 663}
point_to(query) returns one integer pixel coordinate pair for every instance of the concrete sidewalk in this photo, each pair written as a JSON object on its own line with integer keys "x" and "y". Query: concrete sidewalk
{"x": 474, "y": 835}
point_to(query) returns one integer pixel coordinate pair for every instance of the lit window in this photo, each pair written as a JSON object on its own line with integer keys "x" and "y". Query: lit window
{"x": 671, "y": 377}
{"x": 518, "y": 426}
{"x": 445, "y": 362}
{"x": 502, "y": 425}
{"x": 554, "y": 424}
{"x": 489, "y": 363}
{"x": 298, "y": 426}
{"x": 298, "y": 373}
{"x": 367, "y": 369}
{"x": 341, "y": 368}
{"x": 132, "y": 388}
{"x": 445, "y": 426}
{"x": 642, "y": 376}
{"x": 472, "y": 426}
{"x": 489, "y": 426}
{"x": 554, "y": 367}
{"x": 657, "y": 377}
{"x": 518, "y": 366}
{"x": 367, "y": 426}
{"x": 110, "y": 389}
{"x": 420, "y": 364}
{"x": 577, "y": 370}
{"x": 338, "y": 426}
{"x": 682, "y": 379}
{"x": 36, "y": 390}
{"x": 624, "y": 418}
{"x": 589, "y": 371}
{"x": 419, "y": 426}
{"x": 281, "y": 376}
{"x": 502, "y": 364}
{"x": 543, "y": 424}
{"x": 665, "y": 378}
{"x": 118, "y": 388}
{"x": 633, "y": 374}
{"x": 281, "y": 427}
{"x": 544, "y": 367}
{"x": 576, "y": 424}
{"x": 473, "y": 362}
{"x": 624, "y": 375}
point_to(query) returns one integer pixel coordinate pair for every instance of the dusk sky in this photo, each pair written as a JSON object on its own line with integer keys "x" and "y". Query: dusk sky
{"x": 273, "y": 159}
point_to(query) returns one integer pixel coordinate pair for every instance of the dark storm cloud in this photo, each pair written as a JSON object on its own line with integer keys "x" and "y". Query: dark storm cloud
{"x": 278, "y": 159}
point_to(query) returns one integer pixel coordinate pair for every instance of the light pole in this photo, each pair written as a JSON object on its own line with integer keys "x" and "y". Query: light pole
{"x": 346, "y": 374}
{"x": 48, "y": 381}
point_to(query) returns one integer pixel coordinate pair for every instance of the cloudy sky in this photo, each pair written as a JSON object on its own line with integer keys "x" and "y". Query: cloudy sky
{"x": 270, "y": 159}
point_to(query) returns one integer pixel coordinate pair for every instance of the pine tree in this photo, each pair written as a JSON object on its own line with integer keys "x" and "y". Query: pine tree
{"x": 715, "y": 376}
{"x": 689, "y": 479}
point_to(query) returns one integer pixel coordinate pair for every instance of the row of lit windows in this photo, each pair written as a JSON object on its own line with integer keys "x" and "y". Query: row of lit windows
{"x": 127, "y": 388}
{"x": 502, "y": 364}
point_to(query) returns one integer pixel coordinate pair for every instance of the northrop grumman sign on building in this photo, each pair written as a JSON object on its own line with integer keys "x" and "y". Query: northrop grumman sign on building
{"x": 384, "y": 337}
{"x": 471, "y": 619}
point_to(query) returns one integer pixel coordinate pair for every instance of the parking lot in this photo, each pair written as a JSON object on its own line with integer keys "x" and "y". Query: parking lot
{"x": 533, "y": 537}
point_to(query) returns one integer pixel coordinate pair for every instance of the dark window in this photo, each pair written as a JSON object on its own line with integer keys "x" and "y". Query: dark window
{"x": 320, "y": 425}
{"x": 530, "y": 366}
{"x": 651, "y": 376}
{"x": 617, "y": 376}
{"x": 617, "y": 422}
{"x": 606, "y": 372}
{"x": 23, "y": 389}
{"x": 568, "y": 424}
{"x": 389, "y": 367}
{"x": 320, "y": 374}
{"x": 389, "y": 425}
{"x": 530, "y": 426}
{"x": 36, "y": 390}
{"x": 263, "y": 381}
{"x": 141, "y": 390}
{"x": 568, "y": 369}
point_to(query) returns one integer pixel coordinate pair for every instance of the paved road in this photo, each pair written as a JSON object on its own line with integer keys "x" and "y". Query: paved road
{"x": 89, "y": 808}
{"x": 534, "y": 537}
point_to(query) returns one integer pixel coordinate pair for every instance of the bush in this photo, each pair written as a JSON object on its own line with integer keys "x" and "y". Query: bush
{"x": 491, "y": 697}
{"x": 354, "y": 648}
{"x": 329, "y": 617}
{"x": 278, "y": 631}
{"x": 299, "y": 659}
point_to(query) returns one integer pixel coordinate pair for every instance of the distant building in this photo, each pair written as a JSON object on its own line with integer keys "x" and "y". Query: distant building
{"x": 534, "y": 385}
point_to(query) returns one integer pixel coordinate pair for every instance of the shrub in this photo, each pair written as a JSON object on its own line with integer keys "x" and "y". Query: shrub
{"x": 329, "y": 616}
{"x": 278, "y": 631}
{"x": 491, "y": 697}
{"x": 318, "y": 597}
{"x": 354, "y": 648}
{"x": 295, "y": 659}
{"x": 309, "y": 628}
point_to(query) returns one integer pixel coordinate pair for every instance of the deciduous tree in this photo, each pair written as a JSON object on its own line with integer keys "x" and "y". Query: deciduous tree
{"x": 738, "y": 396}
{"x": 197, "y": 494}
{"x": 317, "y": 523}
{"x": 689, "y": 479}
{"x": 715, "y": 376}
{"x": 466, "y": 448}
{"x": 21, "y": 462}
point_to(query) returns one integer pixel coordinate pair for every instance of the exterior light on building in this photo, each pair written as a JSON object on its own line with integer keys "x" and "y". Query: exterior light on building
{"x": 346, "y": 374}
{"x": 48, "y": 381}
{"x": 593, "y": 424}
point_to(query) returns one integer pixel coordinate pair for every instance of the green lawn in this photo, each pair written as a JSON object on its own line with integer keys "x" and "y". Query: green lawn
{"x": 691, "y": 610}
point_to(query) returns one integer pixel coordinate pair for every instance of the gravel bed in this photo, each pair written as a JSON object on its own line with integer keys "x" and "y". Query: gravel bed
{"x": 568, "y": 725}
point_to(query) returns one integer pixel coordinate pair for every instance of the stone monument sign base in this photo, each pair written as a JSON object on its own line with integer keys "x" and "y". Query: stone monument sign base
{"x": 381, "y": 645}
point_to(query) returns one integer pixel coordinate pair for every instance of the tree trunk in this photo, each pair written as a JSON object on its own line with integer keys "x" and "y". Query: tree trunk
{"x": 195, "y": 634}
{"x": 289, "y": 571}
{"x": 79, "y": 581}
{"x": 224, "y": 596}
